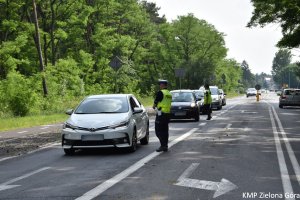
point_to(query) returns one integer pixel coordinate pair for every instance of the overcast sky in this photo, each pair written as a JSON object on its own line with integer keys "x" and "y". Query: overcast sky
{"x": 255, "y": 45}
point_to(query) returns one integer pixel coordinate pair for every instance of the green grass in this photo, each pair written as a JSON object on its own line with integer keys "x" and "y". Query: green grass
{"x": 30, "y": 121}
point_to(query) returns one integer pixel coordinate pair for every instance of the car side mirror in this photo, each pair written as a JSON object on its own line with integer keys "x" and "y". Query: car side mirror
{"x": 69, "y": 111}
{"x": 137, "y": 110}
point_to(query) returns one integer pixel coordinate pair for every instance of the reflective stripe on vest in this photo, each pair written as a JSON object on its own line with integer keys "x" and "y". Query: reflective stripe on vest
{"x": 165, "y": 104}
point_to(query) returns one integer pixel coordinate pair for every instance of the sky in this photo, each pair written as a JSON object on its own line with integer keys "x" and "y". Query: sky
{"x": 257, "y": 46}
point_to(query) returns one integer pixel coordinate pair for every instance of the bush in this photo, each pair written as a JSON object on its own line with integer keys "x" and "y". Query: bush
{"x": 18, "y": 96}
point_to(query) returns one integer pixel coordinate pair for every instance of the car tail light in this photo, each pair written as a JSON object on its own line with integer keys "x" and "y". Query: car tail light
{"x": 283, "y": 97}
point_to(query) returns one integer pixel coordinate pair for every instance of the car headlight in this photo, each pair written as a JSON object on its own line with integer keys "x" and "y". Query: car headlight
{"x": 193, "y": 105}
{"x": 68, "y": 125}
{"x": 120, "y": 125}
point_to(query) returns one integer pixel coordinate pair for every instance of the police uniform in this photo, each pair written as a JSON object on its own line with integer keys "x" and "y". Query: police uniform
{"x": 207, "y": 103}
{"x": 162, "y": 103}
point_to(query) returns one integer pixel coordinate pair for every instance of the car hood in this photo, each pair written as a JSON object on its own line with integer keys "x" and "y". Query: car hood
{"x": 176, "y": 104}
{"x": 97, "y": 120}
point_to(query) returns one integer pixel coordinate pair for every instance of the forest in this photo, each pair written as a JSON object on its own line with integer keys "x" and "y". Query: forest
{"x": 55, "y": 52}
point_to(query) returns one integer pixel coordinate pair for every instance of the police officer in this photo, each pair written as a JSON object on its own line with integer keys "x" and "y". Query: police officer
{"x": 162, "y": 105}
{"x": 207, "y": 101}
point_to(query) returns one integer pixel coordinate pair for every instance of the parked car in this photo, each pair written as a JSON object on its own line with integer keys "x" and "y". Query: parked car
{"x": 251, "y": 92}
{"x": 216, "y": 97}
{"x": 223, "y": 97}
{"x": 112, "y": 120}
{"x": 200, "y": 98}
{"x": 184, "y": 105}
{"x": 289, "y": 97}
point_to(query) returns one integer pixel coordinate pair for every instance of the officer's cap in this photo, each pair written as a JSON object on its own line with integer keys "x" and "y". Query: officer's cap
{"x": 162, "y": 82}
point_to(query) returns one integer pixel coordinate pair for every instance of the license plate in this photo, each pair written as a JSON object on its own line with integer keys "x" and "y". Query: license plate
{"x": 180, "y": 113}
{"x": 92, "y": 137}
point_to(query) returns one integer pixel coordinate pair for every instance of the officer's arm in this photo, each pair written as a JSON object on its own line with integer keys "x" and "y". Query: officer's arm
{"x": 158, "y": 98}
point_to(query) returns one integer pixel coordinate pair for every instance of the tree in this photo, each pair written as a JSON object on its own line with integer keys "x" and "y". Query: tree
{"x": 248, "y": 79}
{"x": 281, "y": 61}
{"x": 284, "y": 12}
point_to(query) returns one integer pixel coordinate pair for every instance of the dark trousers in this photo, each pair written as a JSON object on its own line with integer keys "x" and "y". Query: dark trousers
{"x": 207, "y": 110}
{"x": 162, "y": 129}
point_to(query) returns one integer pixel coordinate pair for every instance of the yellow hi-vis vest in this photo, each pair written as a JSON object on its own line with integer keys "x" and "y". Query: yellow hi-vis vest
{"x": 165, "y": 104}
{"x": 207, "y": 97}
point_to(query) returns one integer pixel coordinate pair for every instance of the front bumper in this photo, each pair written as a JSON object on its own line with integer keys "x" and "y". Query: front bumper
{"x": 184, "y": 113}
{"x": 98, "y": 139}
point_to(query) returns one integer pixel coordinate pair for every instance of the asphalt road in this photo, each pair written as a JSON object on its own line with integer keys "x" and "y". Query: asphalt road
{"x": 250, "y": 150}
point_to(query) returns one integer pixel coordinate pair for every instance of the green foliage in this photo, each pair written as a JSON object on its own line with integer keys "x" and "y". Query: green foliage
{"x": 18, "y": 96}
{"x": 80, "y": 38}
{"x": 283, "y": 12}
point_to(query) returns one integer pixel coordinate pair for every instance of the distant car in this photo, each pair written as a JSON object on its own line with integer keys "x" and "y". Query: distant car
{"x": 289, "y": 97}
{"x": 251, "y": 92}
{"x": 184, "y": 105}
{"x": 112, "y": 120}
{"x": 223, "y": 97}
{"x": 216, "y": 97}
{"x": 200, "y": 98}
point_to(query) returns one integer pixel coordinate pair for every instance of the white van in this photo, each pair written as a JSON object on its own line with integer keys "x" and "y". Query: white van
{"x": 215, "y": 95}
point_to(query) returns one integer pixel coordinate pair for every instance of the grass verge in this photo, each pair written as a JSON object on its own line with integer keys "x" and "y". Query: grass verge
{"x": 30, "y": 121}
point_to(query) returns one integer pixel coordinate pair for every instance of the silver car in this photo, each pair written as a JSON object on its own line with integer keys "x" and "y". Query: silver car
{"x": 289, "y": 97}
{"x": 112, "y": 120}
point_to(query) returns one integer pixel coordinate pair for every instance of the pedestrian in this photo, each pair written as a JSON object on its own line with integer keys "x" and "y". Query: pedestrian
{"x": 162, "y": 105}
{"x": 207, "y": 102}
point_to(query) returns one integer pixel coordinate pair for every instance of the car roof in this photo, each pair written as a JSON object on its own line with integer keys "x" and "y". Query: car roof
{"x": 108, "y": 95}
{"x": 183, "y": 90}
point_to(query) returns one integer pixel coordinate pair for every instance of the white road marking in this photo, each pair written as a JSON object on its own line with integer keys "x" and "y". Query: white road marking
{"x": 228, "y": 126}
{"x": 285, "y": 178}
{"x": 22, "y": 132}
{"x": 288, "y": 147}
{"x": 44, "y": 127}
{"x": 119, "y": 177}
{"x": 202, "y": 124}
{"x": 220, "y": 188}
{"x": 5, "y": 186}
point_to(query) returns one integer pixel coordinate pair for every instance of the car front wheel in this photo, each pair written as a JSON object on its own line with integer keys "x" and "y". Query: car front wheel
{"x": 133, "y": 145}
{"x": 145, "y": 140}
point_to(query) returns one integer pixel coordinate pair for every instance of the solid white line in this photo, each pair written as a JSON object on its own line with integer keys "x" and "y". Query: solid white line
{"x": 285, "y": 178}
{"x": 288, "y": 147}
{"x": 25, "y": 176}
{"x": 202, "y": 124}
{"x": 119, "y": 177}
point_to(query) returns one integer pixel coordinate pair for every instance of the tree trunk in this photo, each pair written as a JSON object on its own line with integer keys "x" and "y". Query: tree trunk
{"x": 39, "y": 49}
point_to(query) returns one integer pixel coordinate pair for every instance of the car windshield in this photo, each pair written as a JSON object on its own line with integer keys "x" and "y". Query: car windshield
{"x": 199, "y": 94}
{"x": 214, "y": 91}
{"x": 251, "y": 89}
{"x": 103, "y": 105}
{"x": 182, "y": 97}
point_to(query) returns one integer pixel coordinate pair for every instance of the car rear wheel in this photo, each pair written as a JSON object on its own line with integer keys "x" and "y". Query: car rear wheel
{"x": 145, "y": 140}
{"x": 69, "y": 152}
{"x": 133, "y": 146}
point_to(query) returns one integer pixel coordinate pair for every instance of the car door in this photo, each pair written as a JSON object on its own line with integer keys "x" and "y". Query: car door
{"x": 138, "y": 117}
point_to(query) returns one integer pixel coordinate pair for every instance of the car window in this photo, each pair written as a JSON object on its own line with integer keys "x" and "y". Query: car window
{"x": 103, "y": 105}
{"x": 134, "y": 103}
{"x": 199, "y": 94}
{"x": 214, "y": 91}
{"x": 288, "y": 92}
{"x": 182, "y": 97}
